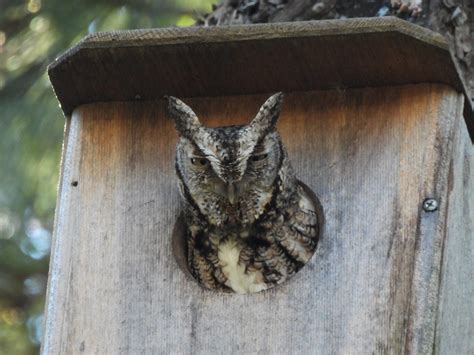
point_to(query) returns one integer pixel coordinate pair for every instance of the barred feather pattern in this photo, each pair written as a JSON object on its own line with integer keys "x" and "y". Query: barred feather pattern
{"x": 278, "y": 245}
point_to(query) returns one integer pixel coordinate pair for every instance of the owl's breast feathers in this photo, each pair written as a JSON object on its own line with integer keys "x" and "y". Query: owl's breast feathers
{"x": 257, "y": 257}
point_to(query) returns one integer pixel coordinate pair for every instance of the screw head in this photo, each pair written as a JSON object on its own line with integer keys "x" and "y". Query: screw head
{"x": 430, "y": 205}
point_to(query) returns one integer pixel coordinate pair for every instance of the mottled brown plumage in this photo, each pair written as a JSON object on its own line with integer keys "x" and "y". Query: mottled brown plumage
{"x": 250, "y": 223}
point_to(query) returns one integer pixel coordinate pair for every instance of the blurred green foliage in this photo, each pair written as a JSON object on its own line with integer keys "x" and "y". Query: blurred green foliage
{"x": 32, "y": 34}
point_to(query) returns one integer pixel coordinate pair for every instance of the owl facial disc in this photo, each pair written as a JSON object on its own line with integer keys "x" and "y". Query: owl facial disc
{"x": 226, "y": 148}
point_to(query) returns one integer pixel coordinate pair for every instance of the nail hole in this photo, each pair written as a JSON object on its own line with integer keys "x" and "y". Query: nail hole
{"x": 74, "y": 183}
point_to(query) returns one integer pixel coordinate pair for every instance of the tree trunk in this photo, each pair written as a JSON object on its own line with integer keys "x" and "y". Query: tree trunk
{"x": 452, "y": 18}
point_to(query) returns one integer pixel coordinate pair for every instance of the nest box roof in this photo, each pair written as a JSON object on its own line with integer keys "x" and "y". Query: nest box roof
{"x": 252, "y": 59}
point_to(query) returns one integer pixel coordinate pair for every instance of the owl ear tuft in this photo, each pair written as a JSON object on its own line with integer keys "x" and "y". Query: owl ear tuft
{"x": 186, "y": 121}
{"x": 267, "y": 117}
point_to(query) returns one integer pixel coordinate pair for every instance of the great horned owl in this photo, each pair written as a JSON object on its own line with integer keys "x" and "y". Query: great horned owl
{"x": 250, "y": 223}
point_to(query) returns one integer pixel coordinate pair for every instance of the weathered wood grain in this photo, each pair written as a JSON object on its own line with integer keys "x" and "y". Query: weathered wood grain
{"x": 431, "y": 231}
{"x": 372, "y": 156}
{"x": 255, "y": 59}
{"x": 455, "y": 323}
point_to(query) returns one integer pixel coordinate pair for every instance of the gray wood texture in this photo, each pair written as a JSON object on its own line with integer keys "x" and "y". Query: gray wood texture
{"x": 455, "y": 322}
{"x": 371, "y": 155}
{"x": 235, "y": 60}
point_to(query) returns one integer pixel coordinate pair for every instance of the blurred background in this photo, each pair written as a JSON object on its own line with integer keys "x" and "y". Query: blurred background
{"x": 32, "y": 34}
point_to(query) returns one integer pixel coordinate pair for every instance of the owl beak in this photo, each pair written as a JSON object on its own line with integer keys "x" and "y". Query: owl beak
{"x": 231, "y": 193}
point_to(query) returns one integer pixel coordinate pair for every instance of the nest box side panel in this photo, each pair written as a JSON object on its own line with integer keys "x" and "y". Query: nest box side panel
{"x": 455, "y": 320}
{"x": 371, "y": 155}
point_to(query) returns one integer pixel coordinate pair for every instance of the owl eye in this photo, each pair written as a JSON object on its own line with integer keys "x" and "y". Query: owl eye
{"x": 199, "y": 161}
{"x": 259, "y": 157}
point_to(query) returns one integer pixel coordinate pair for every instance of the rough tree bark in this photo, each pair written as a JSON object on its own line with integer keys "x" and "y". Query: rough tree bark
{"x": 452, "y": 18}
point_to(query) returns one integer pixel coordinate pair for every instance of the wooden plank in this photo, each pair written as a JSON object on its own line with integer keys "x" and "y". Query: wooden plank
{"x": 243, "y": 60}
{"x": 115, "y": 286}
{"x": 455, "y": 317}
{"x": 431, "y": 231}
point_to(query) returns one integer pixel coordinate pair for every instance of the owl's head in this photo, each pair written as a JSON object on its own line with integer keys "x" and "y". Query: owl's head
{"x": 228, "y": 172}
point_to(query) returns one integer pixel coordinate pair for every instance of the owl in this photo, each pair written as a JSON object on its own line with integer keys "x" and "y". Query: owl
{"x": 250, "y": 224}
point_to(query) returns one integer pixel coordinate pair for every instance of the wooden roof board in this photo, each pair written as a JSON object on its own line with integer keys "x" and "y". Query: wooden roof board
{"x": 253, "y": 59}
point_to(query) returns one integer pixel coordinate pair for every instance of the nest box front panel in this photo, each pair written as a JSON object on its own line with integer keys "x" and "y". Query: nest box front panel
{"x": 356, "y": 149}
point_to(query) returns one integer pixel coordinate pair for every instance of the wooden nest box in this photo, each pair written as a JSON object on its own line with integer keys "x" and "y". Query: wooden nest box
{"x": 376, "y": 122}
